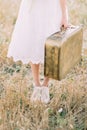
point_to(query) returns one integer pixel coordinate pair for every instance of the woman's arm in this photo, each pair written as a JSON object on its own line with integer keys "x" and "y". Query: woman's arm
{"x": 64, "y": 20}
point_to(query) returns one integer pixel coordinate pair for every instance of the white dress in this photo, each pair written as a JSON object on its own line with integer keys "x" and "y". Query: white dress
{"x": 37, "y": 19}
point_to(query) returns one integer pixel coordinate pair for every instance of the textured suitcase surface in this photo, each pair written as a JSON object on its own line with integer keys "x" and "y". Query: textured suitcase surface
{"x": 62, "y": 52}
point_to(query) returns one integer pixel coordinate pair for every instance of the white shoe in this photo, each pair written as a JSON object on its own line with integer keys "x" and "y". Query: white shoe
{"x": 45, "y": 97}
{"x": 36, "y": 95}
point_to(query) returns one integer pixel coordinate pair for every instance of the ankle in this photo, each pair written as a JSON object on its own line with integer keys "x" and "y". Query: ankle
{"x": 45, "y": 84}
{"x": 37, "y": 84}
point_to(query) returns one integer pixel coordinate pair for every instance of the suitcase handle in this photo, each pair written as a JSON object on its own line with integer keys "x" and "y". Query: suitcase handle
{"x": 69, "y": 27}
{"x": 63, "y": 30}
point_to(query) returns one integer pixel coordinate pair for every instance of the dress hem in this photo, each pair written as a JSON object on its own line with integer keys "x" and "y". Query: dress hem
{"x": 26, "y": 61}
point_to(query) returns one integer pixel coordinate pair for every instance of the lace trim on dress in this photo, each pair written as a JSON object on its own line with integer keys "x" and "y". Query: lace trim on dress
{"x": 27, "y": 61}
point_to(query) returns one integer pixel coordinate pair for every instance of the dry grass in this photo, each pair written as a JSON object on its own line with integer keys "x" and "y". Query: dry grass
{"x": 17, "y": 113}
{"x": 68, "y": 107}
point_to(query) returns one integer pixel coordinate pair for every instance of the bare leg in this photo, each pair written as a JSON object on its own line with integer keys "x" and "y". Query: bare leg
{"x": 35, "y": 73}
{"x": 45, "y": 82}
{"x": 45, "y": 91}
{"x": 39, "y": 93}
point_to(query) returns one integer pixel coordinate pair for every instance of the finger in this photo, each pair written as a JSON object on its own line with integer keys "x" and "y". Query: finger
{"x": 66, "y": 26}
{"x": 62, "y": 27}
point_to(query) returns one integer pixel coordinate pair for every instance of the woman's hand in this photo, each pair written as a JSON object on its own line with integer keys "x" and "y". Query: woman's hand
{"x": 64, "y": 22}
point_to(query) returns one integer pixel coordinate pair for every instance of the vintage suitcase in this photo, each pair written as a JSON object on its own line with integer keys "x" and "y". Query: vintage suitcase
{"x": 62, "y": 52}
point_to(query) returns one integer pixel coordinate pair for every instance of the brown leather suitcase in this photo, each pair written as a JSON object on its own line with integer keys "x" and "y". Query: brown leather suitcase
{"x": 62, "y": 52}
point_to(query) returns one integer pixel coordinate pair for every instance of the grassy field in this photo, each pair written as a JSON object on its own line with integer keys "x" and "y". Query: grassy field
{"x": 67, "y": 109}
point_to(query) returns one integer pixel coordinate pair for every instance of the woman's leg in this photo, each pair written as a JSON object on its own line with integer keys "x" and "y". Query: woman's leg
{"x": 45, "y": 82}
{"x": 45, "y": 91}
{"x": 39, "y": 93}
{"x": 35, "y": 73}
{"x": 36, "y": 95}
